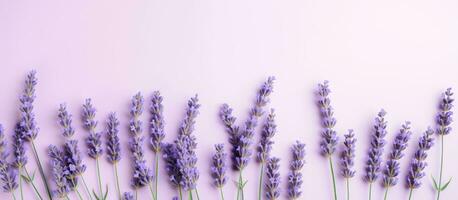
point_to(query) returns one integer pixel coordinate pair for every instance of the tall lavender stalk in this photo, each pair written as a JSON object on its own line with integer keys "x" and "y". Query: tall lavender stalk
{"x": 241, "y": 139}
{"x": 219, "y": 168}
{"x": 113, "y": 146}
{"x": 443, "y": 121}
{"x": 265, "y": 146}
{"x": 59, "y": 172}
{"x": 272, "y": 184}
{"x": 8, "y": 175}
{"x": 156, "y": 133}
{"x": 329, "y": 137}
{"x": 295, "y": 175}
{"x": 347, "y": 157}
{"x": 391, "y": 170}
{"x": 418, "y": 163}
{"x": 29, "y": 125}
{"x": 142, "y": 175}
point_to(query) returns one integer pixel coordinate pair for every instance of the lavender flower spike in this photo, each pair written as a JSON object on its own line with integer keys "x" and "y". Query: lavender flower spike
{"x": 20, "y": 158}
{"x": 157, "y": 122}
{"x": 418, "y": 163}
{"x": 27, "y": 98}
{"x": 391, "y": 170}
{"x": 273, "y": 179}
{"x": 73, "y": 162}
{"x": 219, "y": 167}
{"x": 8, "y": 175}
{"x": 65, "y": 121}
{"x": 113, "y": 145}
{"x": 127, "y": 196}
{"x": 93, "y": 141}
{"x": 59, "y": 172}
{"x": 234, "y": 135}
{"x": 268, "y": 132}
{"x": 295, "y": 175}
{"x": 136, "y": 110}
{"x": 347, "y": 156}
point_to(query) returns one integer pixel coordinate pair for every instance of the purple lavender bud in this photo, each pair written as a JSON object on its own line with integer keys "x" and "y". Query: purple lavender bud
{"x": 329, "y": 137}
{"x": 170, "y": 156}
{"x": 20, "y": 159}
{"x": 375, "y": 152}
{"x": 295, "y": 175}
{"x": 444, "y": 118}
{"x": 65, "y": 121}
{"x": 272, "y": 183}
{"x": 268, "y": 132}
{"x": 59, "y": 173}
{"x": 127, "y": 196}
{"x": 234, "y": 135}
{"x": 219, "y": 167}
{"x": 27, "y": 98}
{"x": 113, "y": 145}
{"x": 157, "y": 122}
{"x": 175, "y": 198}
{"x": 418, "y": 163}
{"x": 8, "y": 175}
{"x": 3, "y": 145}
{"x": 391, "y": 170}
{"x": 136, "y": 110}
{"x": 142, "y": 174}
{"x": 73, "y": 162}
{"x": 347, "y": 156}
{"x": 93, "y": 141}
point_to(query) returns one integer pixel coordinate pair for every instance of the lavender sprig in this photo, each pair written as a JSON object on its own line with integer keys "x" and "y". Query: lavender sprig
{"x": 295, "y": 174}
{"x": 347, "y": 157}
{"x": 59, "y": 172}
{"x": 418, "y": 163}
{"x": 127, "y": 196}
{"x": 156, "y": 132}
{"x": 65, "y": 121}
{"x": 219, "y": 168}
{"x": 20, "y": 159}
{"x": 113, "y": 146}
{"x": 443, "y": 121}
{"x": 8, "y": 175}
{"x": 265, "y": 146}
{"x": 391, "y": 170}
{"x": 273, "y": 179}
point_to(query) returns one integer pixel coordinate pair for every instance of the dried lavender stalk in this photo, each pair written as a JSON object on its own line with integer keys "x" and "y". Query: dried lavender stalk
{"x": 58, "y": 172}
{"x": 265, "y": 146}
{"x": 156, "y": 133}
{"x": 443, "y": 121}
{"x": 219, "y": 168}
{"x": 8, "y": 175}
{"x": 418, "y": 163}
{"x": 113, "y": 146}
{"x": 347, "y": 157}
{"x": 273, "y": 179}
{"x": 295, "y": 175}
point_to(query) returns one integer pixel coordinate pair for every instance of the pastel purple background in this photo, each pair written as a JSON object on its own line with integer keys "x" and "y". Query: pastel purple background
{"x": 399, "y": 55}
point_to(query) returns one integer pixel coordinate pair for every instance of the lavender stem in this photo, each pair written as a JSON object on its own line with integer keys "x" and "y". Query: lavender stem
{"x": 333, "y": 177}
{"x": 115, "y": 165}
{"x": 33, "y": 185}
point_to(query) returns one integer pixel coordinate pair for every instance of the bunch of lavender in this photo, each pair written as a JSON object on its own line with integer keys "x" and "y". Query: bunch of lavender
{"x": 113, "y": 146}
{"x": 443, "y": 121}
{"x": 94, "y": 140}
{"x": 391, "y": 170}
{"x": 375, "y": 152}
{"x": 329, "y": 137}
{"x": 219, "y": 168}
{"x": 418, "y": 163}
{"x": 156, "y": 132}
{"x": 142, "y": 175}
{"x": 180, "y": 156}
{"x": 273, "y": 179}
{"x": 59, "y": 172}
{"x": 295, "y": 175}
{"x": 347, "y": 157}
{"x": 241, "y": 139}
{"x": 29, "y": 125}
{"x": 265, "y": 146}
{"x": 8, "y": 175}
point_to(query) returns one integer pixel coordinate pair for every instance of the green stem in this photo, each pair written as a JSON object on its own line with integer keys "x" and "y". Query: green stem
{"x": 66, "y": 197}
{"x": 370, "y": 190}
{"x": 14, "y": 196}
{"x": 242, "y": 185}
{"x": 239, "y": 185}
{"x": 181, "y": 194}
{"x": 348, "y": 189}
{"x": 221, "y": 192}
{"x": 190, "y": 194}
{"x": 333, "y": 177}
{"x": 20, "y": 182}
{"x": 40, "y": 169}
{"x": 33, "y": 184}
{"x": 85, "y": 186}
{"x": 261, "y": 174}
{"x": 197, "y": 193}
{"x": 136, "y": 194}
{"x": 151, "y": 190}
{"x": 410, "y": 193}
{"x": 386, "y": 193}
{"x": 441, "y": 167}
{"x": 98, "y": 177}
{"x": 118, "y": 189}
{"x": 156, "y": 177}
{"x": 79, "y": 194}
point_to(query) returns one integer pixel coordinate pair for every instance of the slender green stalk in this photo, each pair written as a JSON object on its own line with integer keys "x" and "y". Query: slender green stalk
{"x": 386, "y": 193}
{"x": 221, "y": 192}
{"x": 190, "y": 194}
{"x": 261, "y": 174}
{"x": 197, "y": 194}
{"x": 370, "y": 190}
{"x": 118, "y": 190}
{"x": 152, "y": 191}
{"x": 333, "y": 177}
{"x": 98, "y": 177}
{"x": 85, "y": 186}
{"x": 20, "y": 182}
{"x": 410, "y": 193}
{"x": 156, "y": 177}
{"x": 14, "y": 196}
{"x": 33, "y": 184}
{"x": 441, "y": 167}
{"x": 66, "y": 197}
{"x": 78, "y": 193}
{"x": 136, "y": 194}
{"x": 348, "y": 188}
{"x": 239, "y": 185}
{"x": 181, "y": 194}
{"x": 40, "y": 169}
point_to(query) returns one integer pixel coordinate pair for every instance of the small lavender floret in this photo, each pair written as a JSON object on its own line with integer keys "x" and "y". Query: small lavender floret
{"x": 142, "y": 175}
{"x": 20, "y": 159}
{"x": 170, "y": 156}
{"x": 93, "y": 141}
{"x": 65, "y": 121}
{"x": 157, "y": 122}
{"x": 127, "y": 196}
{"x": 136, "y": 110}
{"x": 27, "y": 98}
{"x": 295, "y": 174}
{"x": 113, "y": 145}
{"x": 268, "y": 132}
{"x": 229, "y": 122}
{"x": 8, "y": 175}
{"x": 329, "y": 137}
{"x": 73, "y": 162}
{"x": 59, "y": 173}
{"x": 219, "y": 166}
{"x": 391, "y": 170}
{"x": 444, "y": 118}
{"x": 272, "y": 183}
{"x": 374, "y": 160}
{"x": 347, "y": 155}
{"x": 418, "y": 163}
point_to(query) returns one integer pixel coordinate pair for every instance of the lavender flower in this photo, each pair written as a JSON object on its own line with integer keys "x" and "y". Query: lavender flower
{"x": 329, "y": 138}
{"x": 229, "y": 122}
{"x": 295, "y": 175}
{"x": 113, "y": 145}
{"x": 375, "y": 152}
{"x": 347, "y": 156}
{"x": 273, "y": 179}
{"x": 58, "y": 171}
{"x": 8, "y": 175}
{"x": 127, "y": 196}
{"x": 444, "y": 118}
{"x": 73, "y": 162}
{"x": 170, "y": 155}
{"x": 27, "y": 98}
{"x": 418, "y": 163}
{"x": 20, "y": 159}
{"x": 142, "y": 174}
{"x": 157, "y": 122}
{"x": 135, "y": 112}
{"x": 93, "y": 141}
{"x": 65, "y": 121}
{"x": 219, "y": 168}
{"x": 391, "y": 170}
{"x": 268, "y": 132}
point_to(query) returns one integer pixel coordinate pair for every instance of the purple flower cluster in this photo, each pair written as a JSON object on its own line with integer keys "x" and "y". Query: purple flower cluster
{"x": 27, "y": 98}
{"x": 113, "y": 145}
{"x": 8, "y": 175}
{"x": 418, "y": 163}
{"x": 375, "y": 152}
{"x": 65, "y": 121}
{"x": 127, "y": 196}
{"x": 295, "y": 175}
{"x": 391, "y": 170}
{"x": 59, "y": 173}
{"x": 272, "y": 184}
{"x": 94, "y": 140}
{"x": 157, "y": 122}
{"x": 20, "y": 159}
{"x": 219, "y": 167}
{"x": 347, "y": 155}
{"x": 136, "y": 110}
{"x": 268, "y": 132}
{"x": 444, "y": 118}
{"x": 329, "y": 137}
{"x": 73, "y": 162}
